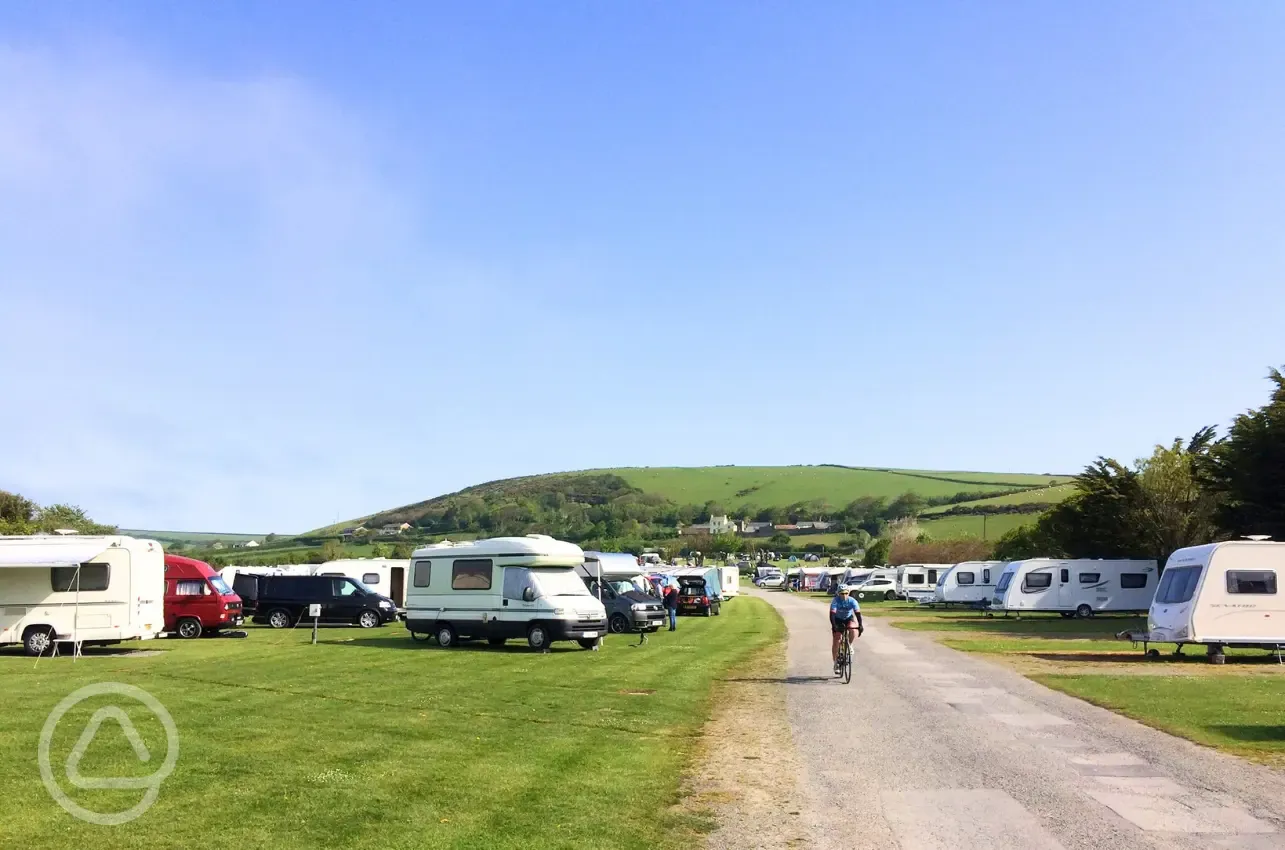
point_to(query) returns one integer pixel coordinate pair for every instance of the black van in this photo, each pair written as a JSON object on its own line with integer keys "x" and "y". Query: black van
{"x": 282, "y": 601}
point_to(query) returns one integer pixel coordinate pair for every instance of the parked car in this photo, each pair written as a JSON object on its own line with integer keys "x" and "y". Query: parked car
{"x": 878, "y": 587}
{"x": 774, "y": 580}
{"x": 197, "y": 599}
{"x": 695, "y": 598}
{"x": 282, "y": 601}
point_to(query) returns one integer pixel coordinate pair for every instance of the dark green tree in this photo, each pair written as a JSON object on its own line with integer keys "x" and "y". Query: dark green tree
{"x": 1246, "y": 470}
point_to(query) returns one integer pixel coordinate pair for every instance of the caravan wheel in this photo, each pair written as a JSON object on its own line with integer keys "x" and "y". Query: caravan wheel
{"x": 1084, "y": 611}
{"x": 537, "y": 637}
{"x": 38, "y": 640}
{"x": 445, "y": 637}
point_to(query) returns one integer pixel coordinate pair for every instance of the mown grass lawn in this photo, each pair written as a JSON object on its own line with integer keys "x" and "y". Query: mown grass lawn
{"x": 1102, "y": 626}
{"x": 371, "y": 740}
{"x": 1238, "y": 714}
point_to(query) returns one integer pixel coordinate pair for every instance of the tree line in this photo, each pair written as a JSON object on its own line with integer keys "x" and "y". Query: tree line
{"x": 20, "y": 515}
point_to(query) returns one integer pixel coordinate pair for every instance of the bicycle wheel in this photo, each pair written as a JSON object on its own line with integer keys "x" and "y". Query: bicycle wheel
{"x": 847, "y": 665}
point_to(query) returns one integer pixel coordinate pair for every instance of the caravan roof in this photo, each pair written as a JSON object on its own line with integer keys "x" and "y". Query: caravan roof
{"x": 535, "y": 549}
{"x": 57, "y": 551}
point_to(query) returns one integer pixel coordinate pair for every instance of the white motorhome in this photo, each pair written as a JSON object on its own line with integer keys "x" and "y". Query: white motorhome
{"x": 80, "y": 589}
{"x": 385, "y": 576}
{"x": 502, "y": 588}
{"x": 1076, "y": 588}
{"x": 1222, "y": 594}
{"x": 914, "y": 581}
{"x": 968, "y": 583}
{"x": 880, "y": 584}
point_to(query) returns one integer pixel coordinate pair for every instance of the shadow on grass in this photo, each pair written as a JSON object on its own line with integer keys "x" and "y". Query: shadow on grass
{"x": 782, "y": 680}
{"x": 87, "y": 652}
{"x": 1251, "y": 734}
{"x": 464, "y": 646}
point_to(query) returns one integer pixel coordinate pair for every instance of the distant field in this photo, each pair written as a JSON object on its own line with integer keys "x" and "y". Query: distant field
{"x": 190, "y": 536}
{"x": 1054, "y": 494}
{"x": 971, "y": 526}
{"x": 765, "y": 486}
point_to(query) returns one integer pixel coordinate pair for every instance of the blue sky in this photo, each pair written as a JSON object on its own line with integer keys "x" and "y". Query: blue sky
{"x": 269, "y": 265}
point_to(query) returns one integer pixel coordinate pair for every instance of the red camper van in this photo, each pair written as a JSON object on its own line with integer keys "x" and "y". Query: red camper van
{"x": 197, "y": 599}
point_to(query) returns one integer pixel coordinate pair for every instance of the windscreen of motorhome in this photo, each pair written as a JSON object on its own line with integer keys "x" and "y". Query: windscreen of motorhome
{"x": 220, "y": 585}
{"x": 561, "y": 582}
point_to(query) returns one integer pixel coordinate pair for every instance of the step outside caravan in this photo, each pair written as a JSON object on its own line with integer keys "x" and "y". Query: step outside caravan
{"x": 500, "y": 589}
{"x": 1076, "y": 588}
{"x": 1221, "y": 595}
{"x": 967, "y": 583}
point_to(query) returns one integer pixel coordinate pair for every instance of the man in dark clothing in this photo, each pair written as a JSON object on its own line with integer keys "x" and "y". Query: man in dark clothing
{"x": 671, "y": 605}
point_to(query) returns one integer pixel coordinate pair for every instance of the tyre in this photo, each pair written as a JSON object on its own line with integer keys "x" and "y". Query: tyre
{"x": 1084, "y": 611}
{"x": 718, "y": 609}
{"x": 495, "y": 641}
{"x": 589, "y": 643}
{"x": 445, "y": 636}
{"x": 889, "y": 595}
{"x": 279, "y": 618}
{"x": 618, "y": 624}
{"x": 847, "y": 668}
{"x": 537, "y": 637}
{"x": 38, "y": 640}
{"x": 368, "y": 620}
{"x": 189, "y": 627}
{"x": 709, "y": 610}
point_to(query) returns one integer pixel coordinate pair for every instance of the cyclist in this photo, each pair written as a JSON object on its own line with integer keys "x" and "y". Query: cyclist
{"x": 845, "y": 613}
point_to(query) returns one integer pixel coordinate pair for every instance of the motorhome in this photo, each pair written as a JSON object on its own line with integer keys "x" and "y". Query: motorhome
{"x": 915, "y": 581}
{"x": 385, "y": 576}
{"x": 613, "y": 578}
{"x": 1076, "y": 588}
{"x": 1221, "y": 594}
{"x": 197, "y": 599}
{"x": 967, "y": 583}
{"x": 765, "y": 570}
{"x": 502, "y": 588}
{"x": 83, "y": 590}
{"x": 880, "y": 584}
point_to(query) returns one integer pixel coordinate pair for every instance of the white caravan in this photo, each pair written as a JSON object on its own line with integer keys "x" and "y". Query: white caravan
{"x": 80, "y": 589}
{"x": 385, "y": 576}
{"x": 1222, "y": 594}
{"x": 968, "y": 582}
{"x": 915, "y": 581}
{"x": 880, "y": 584}
{"x": 502, "y": 588}
{"x": 1079, "y": 588}
{"x": 730, "y": 580}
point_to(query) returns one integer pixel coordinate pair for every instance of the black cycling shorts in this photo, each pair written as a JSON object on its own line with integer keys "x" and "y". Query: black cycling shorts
{"x": 837, "y": 626}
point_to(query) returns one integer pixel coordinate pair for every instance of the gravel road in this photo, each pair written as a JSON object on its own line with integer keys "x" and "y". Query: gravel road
{"x": 931, "y": 748}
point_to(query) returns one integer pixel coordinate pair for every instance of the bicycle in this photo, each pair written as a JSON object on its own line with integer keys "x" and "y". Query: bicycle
{"x": 845, "y": 657}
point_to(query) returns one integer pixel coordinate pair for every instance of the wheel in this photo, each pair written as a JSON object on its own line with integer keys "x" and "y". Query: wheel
{"x": 709, "y": 610}
{"x": 537, "y": 637}
{"x": 368, "y": 620}
{"x": 618, "y": 624}
{"x": 847, "y": 668}
{"x": 495, "y": 641}
{"x": 718, "y": 609}
{"x": 1083, "y": 611}
{"x": 1153, "y": 654}
{"x": 445, "y": 636}
{"x": 889, "y": 595}
{"x": 38, "y": 640}
{"x": 279, "y": 618}
{"x": 589, "y": 643}
{"x": 189, "y": 627}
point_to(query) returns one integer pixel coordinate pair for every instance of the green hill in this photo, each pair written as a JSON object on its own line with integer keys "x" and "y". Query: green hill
{"x": 199, "y": 538}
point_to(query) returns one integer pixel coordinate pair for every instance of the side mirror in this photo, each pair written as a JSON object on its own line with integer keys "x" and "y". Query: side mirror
{"x": 528, "y": 595}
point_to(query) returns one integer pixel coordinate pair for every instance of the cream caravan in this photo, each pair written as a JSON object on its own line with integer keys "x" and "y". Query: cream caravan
{"x": 1222, "y": 594}
{"x": 1076, "y": 588}
{"x": 967, "y": 583}
{"x": 80, "y": 589}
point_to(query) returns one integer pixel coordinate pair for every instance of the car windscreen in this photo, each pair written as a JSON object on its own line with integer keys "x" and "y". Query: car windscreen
{"x": 220, "y": 585}
{"x": 559, "y": 582}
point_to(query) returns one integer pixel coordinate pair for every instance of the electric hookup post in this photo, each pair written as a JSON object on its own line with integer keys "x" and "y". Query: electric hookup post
{"x": 314, "y": 611}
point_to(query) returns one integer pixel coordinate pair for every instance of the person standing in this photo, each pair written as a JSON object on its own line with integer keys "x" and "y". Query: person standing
{"x": 671, "y": 605}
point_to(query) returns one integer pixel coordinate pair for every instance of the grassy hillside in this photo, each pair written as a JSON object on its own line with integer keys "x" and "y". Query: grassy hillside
{"x": 197, "y": 537}
{"x": 972, "y": 526}
{"x": 1053, "y": 494}
{"x": 769, "y": 486}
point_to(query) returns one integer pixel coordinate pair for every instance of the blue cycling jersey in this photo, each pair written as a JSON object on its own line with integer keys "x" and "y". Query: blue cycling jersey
{"x": 843, "y": 609}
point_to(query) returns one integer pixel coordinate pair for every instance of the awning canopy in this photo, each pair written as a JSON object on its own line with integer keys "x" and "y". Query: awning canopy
{"x": 51, "y": 553}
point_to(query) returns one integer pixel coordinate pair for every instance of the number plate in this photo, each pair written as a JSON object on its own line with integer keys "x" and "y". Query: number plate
{"x": 590, "y": 634}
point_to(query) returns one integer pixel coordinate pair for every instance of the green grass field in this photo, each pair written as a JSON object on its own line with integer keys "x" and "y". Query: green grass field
{"x": 974, "y": 526}
{"x": 369, "y": 739}
{"x": 199, "y": 537}
{"x": 1105, "y": 626}
{"x": 1053, "y": 494}
{"x": 1238, "y": 714}
{"x": 765, "y": 486}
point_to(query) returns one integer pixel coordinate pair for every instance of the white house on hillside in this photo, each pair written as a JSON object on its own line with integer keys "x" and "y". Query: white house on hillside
{"x": 716, "y": 525}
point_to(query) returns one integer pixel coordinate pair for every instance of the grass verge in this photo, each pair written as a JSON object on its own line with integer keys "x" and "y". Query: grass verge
{"x": 372, "y": 740}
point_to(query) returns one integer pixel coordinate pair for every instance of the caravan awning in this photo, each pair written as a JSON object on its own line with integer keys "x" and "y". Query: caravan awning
{"x": 52, "y": 553}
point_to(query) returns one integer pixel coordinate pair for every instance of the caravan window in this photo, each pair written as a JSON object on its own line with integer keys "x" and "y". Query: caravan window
{"x": 471, "y": 574}
{"x": 986, "y": 576}
{"x": 370, "y": 578}
{"x": 1090, "y": 578}
{"x": 932, "y": 576}
{"x": 189, "y": 587}
{"x": 423, "y": 571}
{"x": 1004, "y": 581}
{"x": 1133, "y": 581}
{"x": 516, "y": 580}
{"x": 914, "y": 578}
{"x": 92, "y": 577}
{"x": 1178, "y": 585}
{"x": 1037, "y": 581}
{"x": 965, "y": 578}
{"x": 1251, "y": 581}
